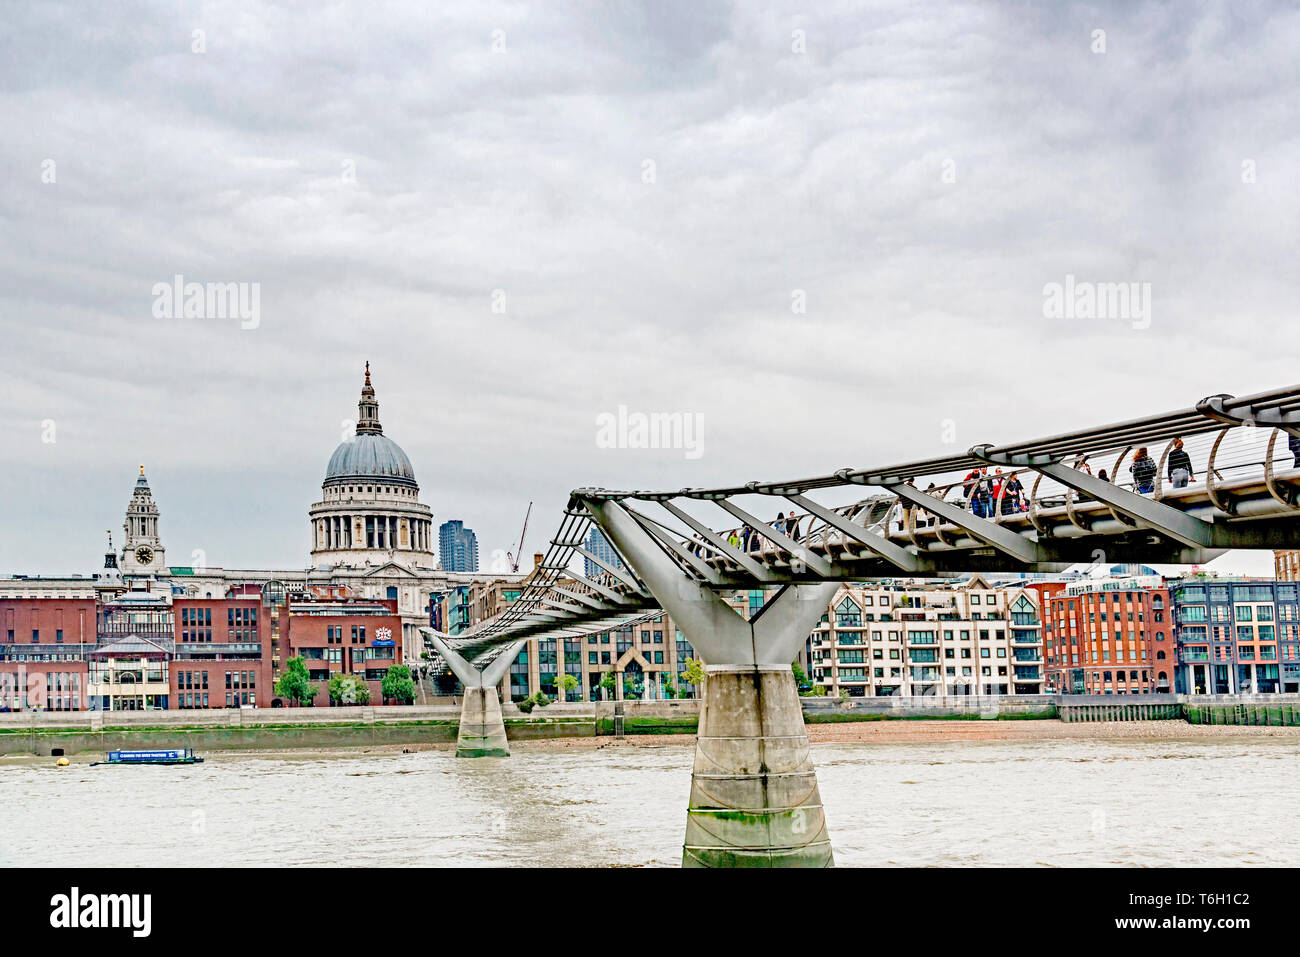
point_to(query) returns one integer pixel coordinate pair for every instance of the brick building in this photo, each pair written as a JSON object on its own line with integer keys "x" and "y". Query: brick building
{"x": 352, "y": 636}
{"x": 1286, "y": 565}
{"x": 1108, "y": 636}
{"x": 51, "y": 621}
{"x": 43, "y": 643}
{"x": 222, "y": 653}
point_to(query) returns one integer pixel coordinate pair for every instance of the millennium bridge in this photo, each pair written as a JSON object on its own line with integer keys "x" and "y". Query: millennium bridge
{"x": 1176, "y": 488}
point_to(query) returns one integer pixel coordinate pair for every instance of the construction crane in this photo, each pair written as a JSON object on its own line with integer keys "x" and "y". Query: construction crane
{"x": 519, "y": 552}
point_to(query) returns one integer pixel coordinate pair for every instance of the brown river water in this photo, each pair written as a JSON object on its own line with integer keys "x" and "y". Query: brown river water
{"x": 1209, "y": 802}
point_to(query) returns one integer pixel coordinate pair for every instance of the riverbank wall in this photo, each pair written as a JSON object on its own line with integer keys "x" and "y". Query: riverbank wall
{"x": 76, "y": 732}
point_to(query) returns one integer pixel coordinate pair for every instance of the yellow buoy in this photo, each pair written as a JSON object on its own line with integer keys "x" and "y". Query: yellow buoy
{"x": 62, "y": 763}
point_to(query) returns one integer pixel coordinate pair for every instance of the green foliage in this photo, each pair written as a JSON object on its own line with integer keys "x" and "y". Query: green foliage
{"x": 538, "y": 700}
{"x": 564, "y": 684}
{"x": 805, "y": 684}
{"x": 694, "y": 673}
{"x": 801, "y": 678}
{"x": 348, "y": 689}
{"x": 294, "y": 683}
{"x": 398, "y": 684}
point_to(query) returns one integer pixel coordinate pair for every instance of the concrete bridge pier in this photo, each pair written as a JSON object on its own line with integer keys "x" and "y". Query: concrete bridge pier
{"x": 482, "y": 732}
{"x": 754, "y": 797}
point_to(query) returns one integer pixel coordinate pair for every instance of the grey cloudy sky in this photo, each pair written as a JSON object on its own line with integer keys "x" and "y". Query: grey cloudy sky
{"x": 523, "y": 170}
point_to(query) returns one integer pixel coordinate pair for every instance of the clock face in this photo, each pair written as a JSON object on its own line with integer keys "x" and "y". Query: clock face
{"x": 144, "y": 554}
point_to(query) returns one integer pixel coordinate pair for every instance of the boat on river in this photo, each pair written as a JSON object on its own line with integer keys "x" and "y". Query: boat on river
{"x": 164, "y": 756}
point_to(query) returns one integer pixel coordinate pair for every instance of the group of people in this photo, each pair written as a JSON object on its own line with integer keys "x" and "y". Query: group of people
{"x": 747, "y": 539}
{"x": 988, "y": 494}
{"x": 993, "y": 494}
{"x": 1144, "y": 468}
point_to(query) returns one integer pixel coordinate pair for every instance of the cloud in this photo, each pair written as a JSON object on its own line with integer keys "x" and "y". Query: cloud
{"x": 644, "y": 186}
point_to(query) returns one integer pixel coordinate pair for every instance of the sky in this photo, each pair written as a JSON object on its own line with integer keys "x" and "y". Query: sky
{"x": 823, "y": 232}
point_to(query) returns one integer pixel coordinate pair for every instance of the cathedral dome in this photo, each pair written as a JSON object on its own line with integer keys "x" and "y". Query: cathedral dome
{"x": 369, "y": 455}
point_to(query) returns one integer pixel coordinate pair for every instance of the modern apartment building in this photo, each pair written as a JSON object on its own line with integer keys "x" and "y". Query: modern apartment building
{"x": 929, "y": 639}
{"x": 1237, "y": 636}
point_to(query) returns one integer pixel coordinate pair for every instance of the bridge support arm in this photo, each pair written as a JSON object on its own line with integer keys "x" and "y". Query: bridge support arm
{"x": 754, "y": 796}
{"x": 482, "y": 732}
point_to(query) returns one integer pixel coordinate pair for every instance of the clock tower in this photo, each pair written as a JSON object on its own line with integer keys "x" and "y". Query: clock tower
{"x": 143, "y": 552}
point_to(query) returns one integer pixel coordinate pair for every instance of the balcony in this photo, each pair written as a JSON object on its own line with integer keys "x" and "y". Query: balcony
{"x": 1188, "y": 656}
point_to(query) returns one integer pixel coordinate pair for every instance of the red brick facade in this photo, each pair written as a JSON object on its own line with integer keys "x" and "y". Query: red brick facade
{"x": 361, "y": 637}
{"x": 1107, "y": 640}
{"x": 42, "y": 641}
{"x": 47, "y": 621}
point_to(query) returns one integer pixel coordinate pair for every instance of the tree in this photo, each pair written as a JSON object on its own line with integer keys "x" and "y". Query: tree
{"x": 694, "y": 673}
{"x": 807, "y": 689}
{"x": 294, "y": 683}
{"x": 398, "y": 684}
{"x": 348, "y": 689}
{"x": 607, "y": 683}
{"x": 564, "y": 684}
{"x": 536, "y": 700}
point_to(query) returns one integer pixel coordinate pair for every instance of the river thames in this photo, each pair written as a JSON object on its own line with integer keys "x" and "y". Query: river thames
{"x": 1211, "y": 802}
